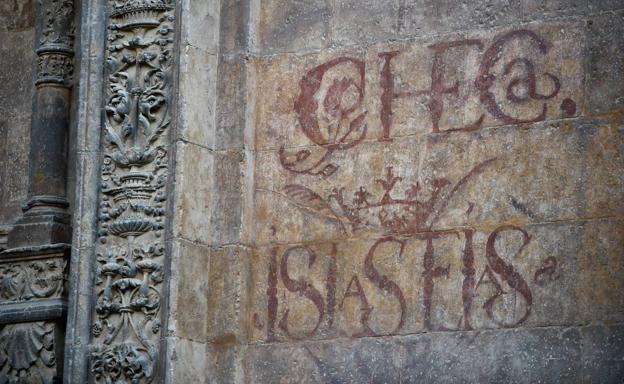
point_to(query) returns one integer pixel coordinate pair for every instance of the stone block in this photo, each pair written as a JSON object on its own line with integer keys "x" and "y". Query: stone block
{"x": 552, "y": 171}
{"x": 194, "y": 192}
{"x": 227, "y": 212}
{"x": 234, "y": 32}
{"x": 604, "y": 5}
{"x": 228, "y": 285}
{"x": 423, "y": 17}
{"x": 17, "y": 15}
{"x": 186, "y": 362}
{"x": 605, "y": 63}
{"x": 188, "y": 307}
{"x": 197, "y": 96}
{"x": 226, "y": 363}
{"x": 357, "y": 22}
{"x": 16, "y": 48}
{"x": 200, "y": 24}
{"x": 603, "y": 353}
{"x": 231, "y": 103}
{"x": 601, "y": 272}
{"x": 511, "y": 356}
{"x": 289, "y": 26}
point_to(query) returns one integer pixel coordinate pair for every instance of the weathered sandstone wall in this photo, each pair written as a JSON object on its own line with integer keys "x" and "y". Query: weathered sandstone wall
{"x": 329, "y": 191}
{"x": 16, "y": 51}
{"x": 429, "y": 191}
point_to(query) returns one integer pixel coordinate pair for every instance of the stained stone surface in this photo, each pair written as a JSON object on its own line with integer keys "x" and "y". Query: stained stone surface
{"x": 396, "y": 191}
{"x": 430, "y": 192}
{"x": 17, "y": 33}
{"x": 515, "y": 356}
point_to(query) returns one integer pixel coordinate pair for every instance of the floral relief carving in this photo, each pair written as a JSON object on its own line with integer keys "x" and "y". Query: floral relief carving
{"x": 36, "y": 279}
{"x": 59, "y": 24}
{"x": 126, "y": 323}
{"x": 54, "y": 68}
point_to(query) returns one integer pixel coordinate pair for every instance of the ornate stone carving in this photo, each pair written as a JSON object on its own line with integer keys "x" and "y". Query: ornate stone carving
{"x": 32, "y": 301}
{"x": 32, "y": 270}
{"x": 54, "y": 68}
{"x": 55, "y": 61}
{"x": 27, "y": 353}
{"x": 59, "y": 24}
{"x": 34, "y": 279}
{"x": 46, "y": 220}
{"x": 130, "y": 254}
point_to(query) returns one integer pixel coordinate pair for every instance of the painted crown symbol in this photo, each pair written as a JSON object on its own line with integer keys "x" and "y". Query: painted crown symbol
{"x": 386, "y": 212}
{"x": 406, "y": 214}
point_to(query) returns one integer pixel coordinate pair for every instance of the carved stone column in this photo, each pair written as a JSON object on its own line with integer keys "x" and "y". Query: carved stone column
{"x": 128, "y": 291}
{"x": 33, "y": 270}
{"x": 45, "y": 219}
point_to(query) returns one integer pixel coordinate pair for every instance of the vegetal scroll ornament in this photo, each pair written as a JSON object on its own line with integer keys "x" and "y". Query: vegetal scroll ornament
{"x": 128, "y": 293}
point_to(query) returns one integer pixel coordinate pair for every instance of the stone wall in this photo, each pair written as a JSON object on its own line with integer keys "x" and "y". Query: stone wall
{"x": 17, "y": 33}
{"x": 428, "y": 192}
{"x": 331, "y": 191}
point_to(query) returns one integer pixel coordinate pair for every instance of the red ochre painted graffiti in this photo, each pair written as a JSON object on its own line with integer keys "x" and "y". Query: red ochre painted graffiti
{"x": 498, "y": 272}
{"x": 435, "y": 93}
{"x": 384, "y": 213}
{"x": 333, "y": 117}
{"x": 331, "y": 114}
{"x": 343, "y": 126}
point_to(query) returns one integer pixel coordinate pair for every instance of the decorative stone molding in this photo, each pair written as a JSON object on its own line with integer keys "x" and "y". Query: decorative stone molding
{"x": 126, "y": 324}
{"x": 32, "y": 300}
{"x": 33, "y": 279}
{"x": 4, "y": 233}
{"x": 55, "y": 68}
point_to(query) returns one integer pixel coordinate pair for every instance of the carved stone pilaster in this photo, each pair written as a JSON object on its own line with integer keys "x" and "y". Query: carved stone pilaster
{"x": 128, "y": 290}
